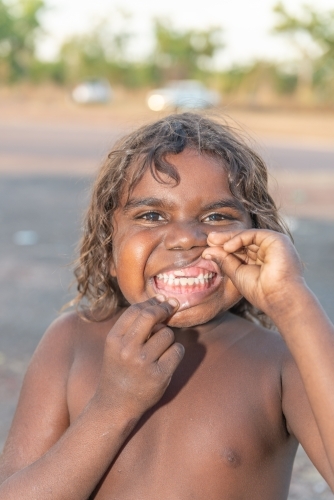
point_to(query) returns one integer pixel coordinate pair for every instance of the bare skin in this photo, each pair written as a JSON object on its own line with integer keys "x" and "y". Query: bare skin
{"x": 175, "y": 397}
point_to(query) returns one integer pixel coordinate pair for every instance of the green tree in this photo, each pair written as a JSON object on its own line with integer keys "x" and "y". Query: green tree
{"x": 100, "y": 53}
{"x": 19, "y": 28}
{"x": 313, "y": 33}
{"x": 184, "y": 54}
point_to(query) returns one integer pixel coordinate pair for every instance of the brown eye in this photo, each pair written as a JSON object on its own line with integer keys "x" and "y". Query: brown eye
{"x": 215, "y": 217}
{"x": 151, "y": 216}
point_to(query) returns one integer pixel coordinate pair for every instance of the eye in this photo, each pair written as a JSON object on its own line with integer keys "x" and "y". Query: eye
{"x": 216, "y": 217}
{"x": 151, "y": 216}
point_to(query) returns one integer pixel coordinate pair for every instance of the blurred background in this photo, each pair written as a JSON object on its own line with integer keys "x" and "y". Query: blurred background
{"x": 76, "y": 75}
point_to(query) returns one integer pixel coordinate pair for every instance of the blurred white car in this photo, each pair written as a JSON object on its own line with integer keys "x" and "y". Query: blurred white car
{"x": 92, "y": 91}
{"x": 188, "y": 94}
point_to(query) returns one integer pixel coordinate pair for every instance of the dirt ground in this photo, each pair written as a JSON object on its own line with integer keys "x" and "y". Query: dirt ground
{"x": 309, "y": 194}
{"x": 128, "y": 109}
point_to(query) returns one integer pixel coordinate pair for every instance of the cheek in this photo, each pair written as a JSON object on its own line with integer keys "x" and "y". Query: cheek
{"x": 231, "y": 294}
{"x": 130, "y": 256}
{"x": 227, "y": 296}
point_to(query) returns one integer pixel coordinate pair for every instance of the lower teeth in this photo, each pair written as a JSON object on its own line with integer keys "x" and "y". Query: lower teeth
{"x": 181, "y": 282}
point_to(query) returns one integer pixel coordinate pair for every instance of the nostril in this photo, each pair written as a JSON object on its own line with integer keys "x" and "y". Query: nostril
{"x": 185, "y": 236}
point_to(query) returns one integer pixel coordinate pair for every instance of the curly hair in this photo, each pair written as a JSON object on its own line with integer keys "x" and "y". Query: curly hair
{"x": 147, "y": 148}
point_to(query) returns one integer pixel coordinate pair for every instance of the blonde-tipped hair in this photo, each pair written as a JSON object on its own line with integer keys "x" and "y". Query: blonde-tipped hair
{"x": 147, "y": 148}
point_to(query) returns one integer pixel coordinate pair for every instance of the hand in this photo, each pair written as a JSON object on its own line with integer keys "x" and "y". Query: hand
{"x": 140, "y": 357}
{"x": 263, "y": 265}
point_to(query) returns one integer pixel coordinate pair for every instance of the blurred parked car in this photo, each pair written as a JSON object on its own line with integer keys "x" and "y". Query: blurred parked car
{"x": 190, "y": 94}
{"x": 92, "y": 91}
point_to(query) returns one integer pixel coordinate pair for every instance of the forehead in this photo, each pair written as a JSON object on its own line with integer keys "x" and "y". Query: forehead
{"x": 199, "y": 173}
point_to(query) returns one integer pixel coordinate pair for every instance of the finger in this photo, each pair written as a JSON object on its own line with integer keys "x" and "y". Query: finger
{"x": 246, "y": 255}
{"x": 156, "y": 328}
{"x": 215, "y": 238}
{"x": 171, "y": 358}
{"x": 158, "y": 343}
{"x": 132, "y": 312}
{"x": 221, "y": 239}
{"x": 251, "y": 238}
{"x": 230, "y": 264}
{"x": 148, "y": 317}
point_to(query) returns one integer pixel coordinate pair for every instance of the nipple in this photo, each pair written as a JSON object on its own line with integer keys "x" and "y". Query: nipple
{"x": 231, "y": 457}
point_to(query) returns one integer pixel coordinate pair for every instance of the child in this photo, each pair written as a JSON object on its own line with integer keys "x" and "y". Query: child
{"x": 166, "y": 384}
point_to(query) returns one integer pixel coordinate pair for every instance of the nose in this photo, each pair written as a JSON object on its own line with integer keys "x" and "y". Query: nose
{"x": 184, "y": 236}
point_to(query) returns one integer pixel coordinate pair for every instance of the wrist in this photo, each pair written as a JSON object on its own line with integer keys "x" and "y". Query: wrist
{"x": 290, "y": 300}
{"x": 111, "y": 416}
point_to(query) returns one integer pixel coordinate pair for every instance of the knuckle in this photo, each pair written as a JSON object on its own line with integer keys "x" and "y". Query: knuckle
{"x": 134, "y": 309}
{"x": 142, "y": 356}
{"x": 148, "y": 314}
{"x": 152, "y": 301}
{"x": 167, "y": 333}
{"x": 125, "y": 354}
{"x": 160, "y": 371}
{"x": 130, "y": 314}
{"x": 166, "y": 307}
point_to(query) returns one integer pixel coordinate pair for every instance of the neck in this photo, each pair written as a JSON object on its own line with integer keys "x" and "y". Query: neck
{"x": 201, "y": 333}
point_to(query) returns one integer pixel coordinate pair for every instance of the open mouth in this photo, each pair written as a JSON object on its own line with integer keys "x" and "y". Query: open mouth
{"x": 191, "y": 284}
{"x": 177, "y": 282}
{"x": 185, "y": 281}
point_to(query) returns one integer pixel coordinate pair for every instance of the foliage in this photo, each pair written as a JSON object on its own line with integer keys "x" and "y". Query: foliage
{"x": 184, "y": 54}
{"x": 313, "y": 33}
{"x": 319, "y": 26}
{"x": 104, "y": 52}
{"x": 19, "y": 27}
{"x": 259, "y": 84}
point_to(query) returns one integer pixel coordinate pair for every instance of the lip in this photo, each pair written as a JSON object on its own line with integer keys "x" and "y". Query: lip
{"x": 194, "y": 298}
{"x": 207, "y": 265}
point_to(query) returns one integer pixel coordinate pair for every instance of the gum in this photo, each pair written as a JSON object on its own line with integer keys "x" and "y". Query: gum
{"x": 179, "y": 289}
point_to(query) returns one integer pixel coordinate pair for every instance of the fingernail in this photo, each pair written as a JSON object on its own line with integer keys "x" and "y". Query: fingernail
{"x": 173, "y": 302}
{"x": 160, "y": 297}
{"x": 207, "y": 256}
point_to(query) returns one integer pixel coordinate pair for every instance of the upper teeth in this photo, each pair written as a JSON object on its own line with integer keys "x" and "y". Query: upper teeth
{"x": 183, "y": 281}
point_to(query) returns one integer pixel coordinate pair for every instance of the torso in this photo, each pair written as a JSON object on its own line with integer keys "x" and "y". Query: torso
{"x": 218, "y": 433}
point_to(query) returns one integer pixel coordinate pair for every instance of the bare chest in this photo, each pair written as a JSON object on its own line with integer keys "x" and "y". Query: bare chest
{"x": 218, "y": 423}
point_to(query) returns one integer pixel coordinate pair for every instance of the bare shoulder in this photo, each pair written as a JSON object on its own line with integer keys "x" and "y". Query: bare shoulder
{"x": 60, "y": 337}
{"x": 42, "y": 413}
{"x": 69, "y": 332}
{"x": 260, "y": 342}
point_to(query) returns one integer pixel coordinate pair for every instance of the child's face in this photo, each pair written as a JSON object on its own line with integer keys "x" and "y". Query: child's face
{"x": 161, "y": 231}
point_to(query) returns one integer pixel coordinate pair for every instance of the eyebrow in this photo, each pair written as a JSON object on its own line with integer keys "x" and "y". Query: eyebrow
{"x": 168, "y": 205}
{"x": 229, "y": 203}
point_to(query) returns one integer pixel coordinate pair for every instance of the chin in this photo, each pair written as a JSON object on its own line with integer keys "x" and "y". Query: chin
{"x": 188, "y": 318}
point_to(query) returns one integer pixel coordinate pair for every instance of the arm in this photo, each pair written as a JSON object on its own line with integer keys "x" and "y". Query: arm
{"x": 266, "y": 269}
{"x": 310, "y": 337}
{"x": 45, "y": 457}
